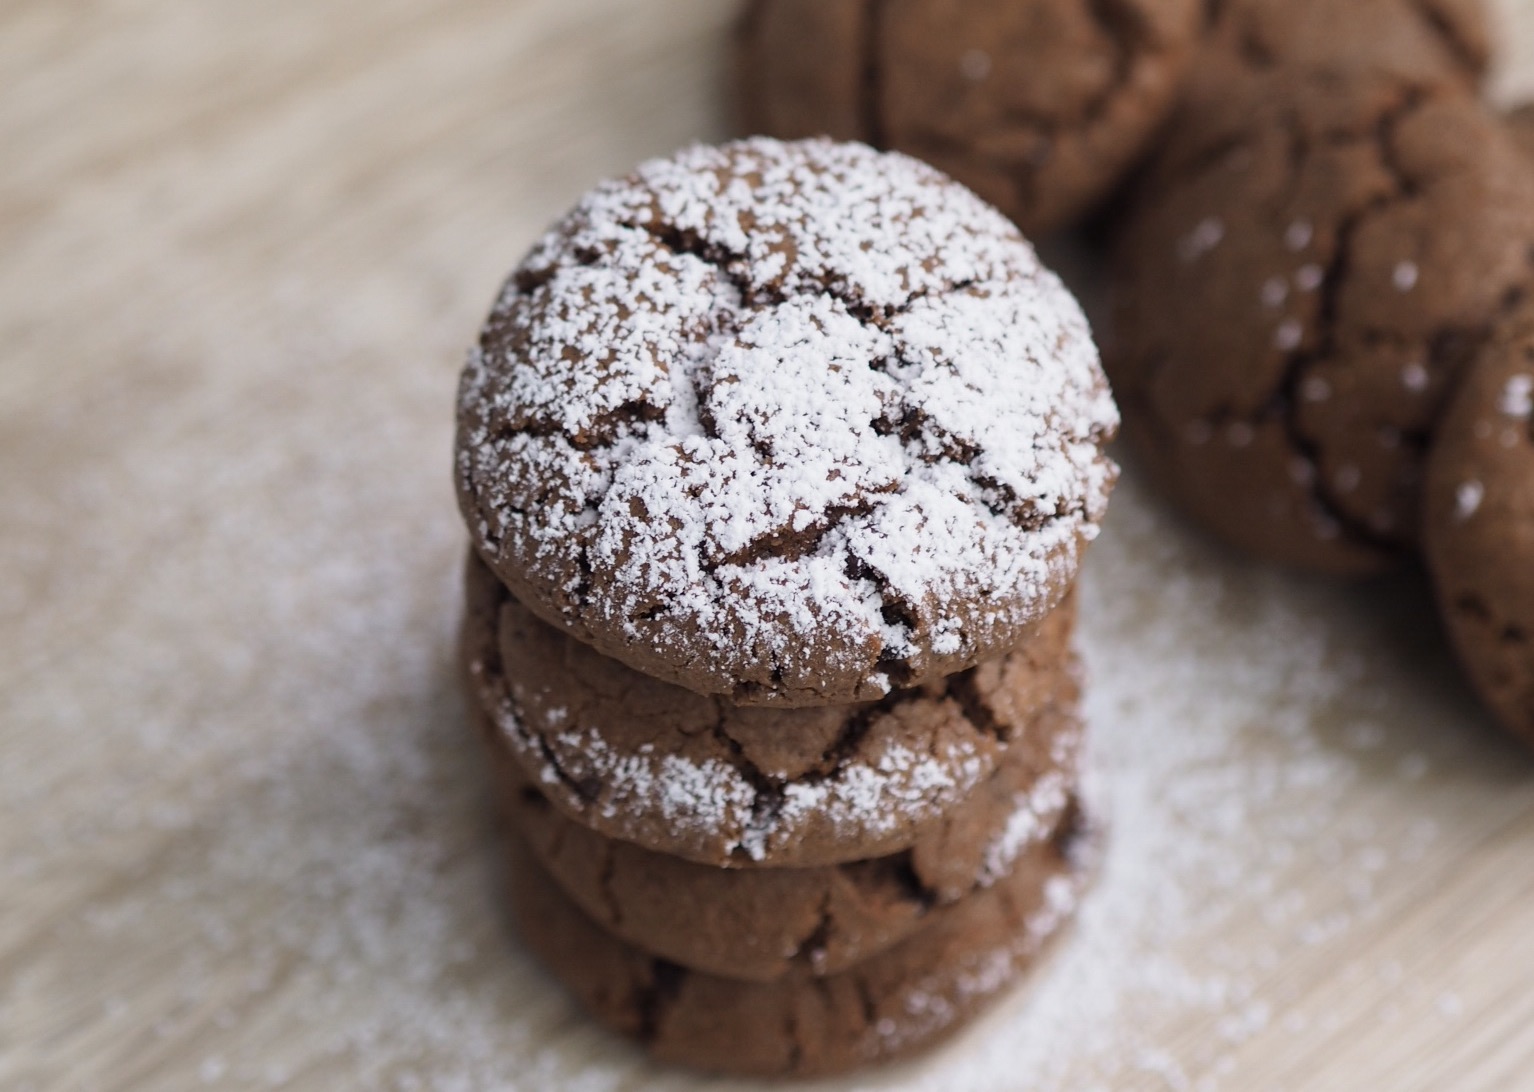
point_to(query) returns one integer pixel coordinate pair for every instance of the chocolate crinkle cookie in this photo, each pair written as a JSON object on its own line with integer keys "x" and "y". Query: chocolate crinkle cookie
{"x": 1332, "y": 231}
{"x": 795, "y": 423}
{"x": 1040, "y": 105}
{"x": 1479, "y": 524}
{"x": 760, "y": 924}
{"x": 905, "y": 999}
{"x": 647, "y": 762}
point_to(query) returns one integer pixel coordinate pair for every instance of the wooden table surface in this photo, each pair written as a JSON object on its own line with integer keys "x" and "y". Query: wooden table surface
{"x": 244, "y": 838}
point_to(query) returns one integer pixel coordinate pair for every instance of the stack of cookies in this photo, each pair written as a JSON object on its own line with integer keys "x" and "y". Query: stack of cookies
{"x": 779, "y": 460}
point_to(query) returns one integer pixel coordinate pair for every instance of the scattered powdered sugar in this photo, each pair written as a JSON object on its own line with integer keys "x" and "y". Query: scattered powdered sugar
{"x": 296, "y": 834}
{"x": 1467, "y": 499}
{"x": 244, "y": 830}
{"x": 1517, "y": 398}
{"x": 753, "y": 395}
{"x": 716, "y": 805}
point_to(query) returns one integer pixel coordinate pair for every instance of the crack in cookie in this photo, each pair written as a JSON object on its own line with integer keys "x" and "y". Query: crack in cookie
{"x": 643, "y": 761}
{"x": 796, "y": 424}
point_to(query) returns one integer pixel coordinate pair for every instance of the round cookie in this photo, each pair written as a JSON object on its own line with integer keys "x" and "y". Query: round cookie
{"x": 799, "y": 424}
{"x": 1332, "y": 229}
{"x": 643, "y": 761}
{"x": 1479, "y": 524}
{"x": 898, "y": 1003}
{"x": 1040, "y": 105}
{"x": 760, "y": 924}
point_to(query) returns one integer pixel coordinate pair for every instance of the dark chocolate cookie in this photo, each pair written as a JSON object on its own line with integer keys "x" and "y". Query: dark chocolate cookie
{"x": 1479, "y": 524}
{"x": 760, "y": 924}
{"x": 1039, "y": 105}
{"x": 799, "y": 424}
{"x": 1330, "y": 233}
{"x": 643, "y": 761}
{"x": 903, "y": 1000}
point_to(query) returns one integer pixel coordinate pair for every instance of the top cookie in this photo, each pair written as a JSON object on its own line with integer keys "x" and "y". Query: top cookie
{"x": 795, "y": 423}
{"x": 1040, "y": 105}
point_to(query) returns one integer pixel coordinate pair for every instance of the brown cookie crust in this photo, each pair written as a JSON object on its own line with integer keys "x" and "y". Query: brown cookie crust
{"x": 643, "y": 761}
{"x": 1333, "y": 229}
{"x": 896, "y": 1004}
{"x": 760, "y": 924}
{"x": 1478, "y": 530}
{"x": 798, "y": 424}
{"x": 1040, "y": 106}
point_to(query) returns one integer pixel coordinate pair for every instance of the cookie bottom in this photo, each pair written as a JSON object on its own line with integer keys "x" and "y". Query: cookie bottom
{"x": 898, "y": 1003}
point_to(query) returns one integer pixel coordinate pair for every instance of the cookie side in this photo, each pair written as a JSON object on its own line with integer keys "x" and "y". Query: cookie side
{"x": 1040, "y": 106}
{"x": 898, "y": 1003}
{"x": 643, "y": 761}
{"x": 760, "y": 924}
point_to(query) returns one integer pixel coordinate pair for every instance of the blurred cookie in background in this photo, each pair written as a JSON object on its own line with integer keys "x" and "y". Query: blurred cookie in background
{"x": 1040, "y": 106}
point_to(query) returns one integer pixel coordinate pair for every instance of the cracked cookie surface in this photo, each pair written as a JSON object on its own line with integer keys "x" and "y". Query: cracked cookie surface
{"x": 904, "y": 1000}
{"x": 800, "y": 424}
{"x": 682, "y": 773}
{"x": 1478, "y": 528}
{"x": 1334, "y": 227}
{"x": 1039, "y": 105}
{"x": 760, "y": 924}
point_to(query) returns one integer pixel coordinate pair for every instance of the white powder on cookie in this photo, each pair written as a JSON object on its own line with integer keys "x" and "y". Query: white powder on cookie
{"x": 795, "y": 405}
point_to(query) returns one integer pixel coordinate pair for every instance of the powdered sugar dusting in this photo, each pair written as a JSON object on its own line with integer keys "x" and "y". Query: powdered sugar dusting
{"x": 1027, "y": 825}
{"x": 893, "y": 788}
{"x": 1036, "y": 811}
{"x": 752, "y": 397}
{"x": 1517, "y": 398}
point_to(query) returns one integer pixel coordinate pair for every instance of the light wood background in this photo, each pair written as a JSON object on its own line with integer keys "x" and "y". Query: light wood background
{"x": 244, "y": 840}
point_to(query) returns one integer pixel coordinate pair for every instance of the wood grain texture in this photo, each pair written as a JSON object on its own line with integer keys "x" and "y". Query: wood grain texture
{"x": 244, "y": 839}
